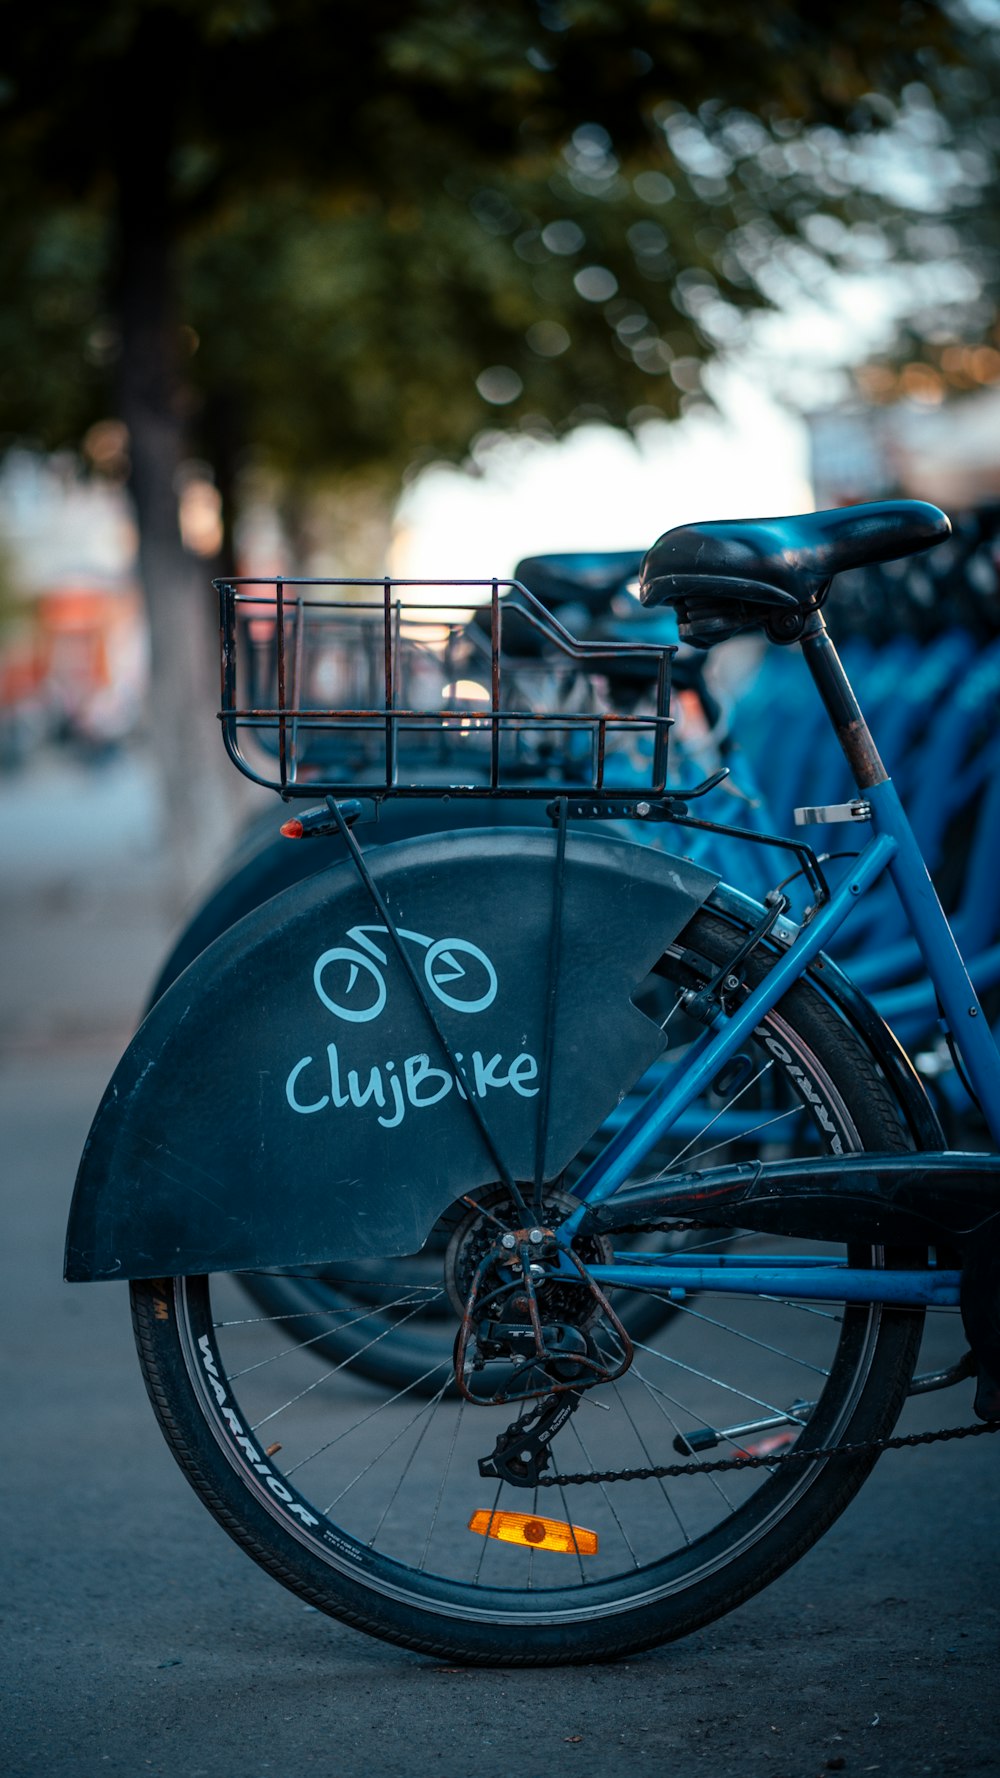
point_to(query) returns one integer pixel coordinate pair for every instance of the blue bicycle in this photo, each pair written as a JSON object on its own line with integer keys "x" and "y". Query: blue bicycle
{"x": 774, "y": 1133}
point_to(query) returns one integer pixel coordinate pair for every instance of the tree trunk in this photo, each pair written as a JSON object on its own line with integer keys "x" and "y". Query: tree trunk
{"x": 199, "y": 792}
{"x": 224, "y": 436}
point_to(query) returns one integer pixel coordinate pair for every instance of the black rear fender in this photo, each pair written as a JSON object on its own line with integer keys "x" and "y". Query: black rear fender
{"x": 283, "y": 1105}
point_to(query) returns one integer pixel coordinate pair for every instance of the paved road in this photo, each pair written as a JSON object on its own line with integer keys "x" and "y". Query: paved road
{"x": 139, "y": 1640}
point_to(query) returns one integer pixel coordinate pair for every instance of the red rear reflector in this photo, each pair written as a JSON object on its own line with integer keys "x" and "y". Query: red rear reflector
{"x": 293, "y": 829}
{"x": 774, "y": 1443}
{"x": 535, "y": 1533}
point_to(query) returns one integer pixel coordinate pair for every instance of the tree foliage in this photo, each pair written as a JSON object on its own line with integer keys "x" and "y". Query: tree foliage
{"x": 354, "y": 234}
{"x": 369, "y": 206}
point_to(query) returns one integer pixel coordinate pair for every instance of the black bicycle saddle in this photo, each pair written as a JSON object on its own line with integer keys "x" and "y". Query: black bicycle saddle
{"x": 728, "y": 575}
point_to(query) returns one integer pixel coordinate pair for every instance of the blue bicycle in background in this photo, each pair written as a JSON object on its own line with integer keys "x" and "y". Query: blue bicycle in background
{"x": 622, "y": 1081}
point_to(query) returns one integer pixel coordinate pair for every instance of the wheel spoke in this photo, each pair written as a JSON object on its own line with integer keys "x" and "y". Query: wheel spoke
{"x": 739, "y": 1333}
{"x": 677, "y": 1158}
{"x": 493, "y": 1513}
{"x": 426, "y": 1410}
{"x": 441, "y": 1487}
{"x": 649, "y": 1459}
{"x": 607, "y": 1497}
{"x": 351, "y": 1358}
{"x": 707, "y": 1377}
{"x": 349, "y": 1430}
{"x": 658, "y": 1398}
{"x": 576, "y": 1546}
{"x": 317, "y": 1339}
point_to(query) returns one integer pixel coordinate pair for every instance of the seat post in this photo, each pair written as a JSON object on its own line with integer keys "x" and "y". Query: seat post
{"x": 842, "y": 706}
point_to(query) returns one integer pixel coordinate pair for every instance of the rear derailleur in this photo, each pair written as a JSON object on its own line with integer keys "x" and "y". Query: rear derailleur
{"x": 535, "y": 1323}
{"x": 522, "y": 1454}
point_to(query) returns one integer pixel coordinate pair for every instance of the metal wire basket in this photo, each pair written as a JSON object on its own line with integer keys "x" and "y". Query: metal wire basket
{"x": 389, "y": 688}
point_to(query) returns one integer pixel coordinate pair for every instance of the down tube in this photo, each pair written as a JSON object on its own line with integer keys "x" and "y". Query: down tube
{"x": 644, "y": 1129}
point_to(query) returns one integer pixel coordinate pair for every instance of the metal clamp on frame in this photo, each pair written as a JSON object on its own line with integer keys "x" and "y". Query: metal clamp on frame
{"x": 857, "y": 810}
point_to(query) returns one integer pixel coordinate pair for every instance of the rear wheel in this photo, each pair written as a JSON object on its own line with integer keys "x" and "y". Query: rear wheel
{"x": 360, "y": 1498}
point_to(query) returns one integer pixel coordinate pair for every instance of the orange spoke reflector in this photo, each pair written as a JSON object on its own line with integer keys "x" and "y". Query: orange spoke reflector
{"x": 538, "y": 1534}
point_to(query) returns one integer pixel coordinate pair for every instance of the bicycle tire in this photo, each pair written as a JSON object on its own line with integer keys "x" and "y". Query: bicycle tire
{"x": 484, "y": 1602}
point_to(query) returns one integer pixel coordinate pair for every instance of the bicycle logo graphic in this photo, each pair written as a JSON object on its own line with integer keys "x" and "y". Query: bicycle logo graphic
{"x": 349, "y": 980}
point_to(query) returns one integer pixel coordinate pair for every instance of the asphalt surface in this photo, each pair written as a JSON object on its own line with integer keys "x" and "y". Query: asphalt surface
{"x": 139, "y": 1640}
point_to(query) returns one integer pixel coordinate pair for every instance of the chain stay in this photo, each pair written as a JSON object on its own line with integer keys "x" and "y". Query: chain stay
{"x": 668, "y": 1471}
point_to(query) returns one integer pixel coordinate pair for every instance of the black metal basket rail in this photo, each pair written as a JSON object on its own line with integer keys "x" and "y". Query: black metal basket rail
{"x": 577, "y": 718}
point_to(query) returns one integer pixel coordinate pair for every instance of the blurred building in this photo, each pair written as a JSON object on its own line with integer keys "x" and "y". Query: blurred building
{"x": 946, "y": 452}
{"x": 73, "y": 647}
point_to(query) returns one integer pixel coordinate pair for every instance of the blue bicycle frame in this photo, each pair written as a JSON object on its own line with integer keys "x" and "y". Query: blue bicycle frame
{"x": 892, "y": 849}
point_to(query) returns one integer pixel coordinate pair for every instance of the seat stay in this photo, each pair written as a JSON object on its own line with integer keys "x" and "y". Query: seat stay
{"x": 717, "y": 1045}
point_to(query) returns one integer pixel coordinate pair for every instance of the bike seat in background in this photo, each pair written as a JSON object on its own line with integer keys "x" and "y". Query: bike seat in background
{"x": 586, "y": 580}
{"x": 587, "y": 577}
{"x": 730, "y": 573}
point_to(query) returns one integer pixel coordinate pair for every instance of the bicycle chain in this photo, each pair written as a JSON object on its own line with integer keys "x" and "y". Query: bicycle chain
{"x": 676, "y": 1225}
{"x": 669, "y": 1471}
